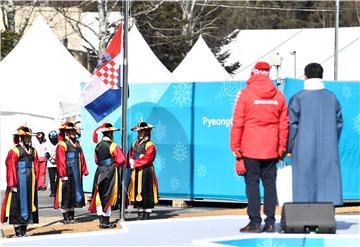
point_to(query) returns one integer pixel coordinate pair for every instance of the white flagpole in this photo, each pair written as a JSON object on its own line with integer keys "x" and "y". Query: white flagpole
{"x": 124, "y": 97}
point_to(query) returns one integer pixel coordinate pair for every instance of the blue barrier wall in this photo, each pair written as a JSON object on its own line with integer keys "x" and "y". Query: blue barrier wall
{"x": 192, "y": 129}
{"x": 213, "y": 172}
{"x": 168, "y": 108}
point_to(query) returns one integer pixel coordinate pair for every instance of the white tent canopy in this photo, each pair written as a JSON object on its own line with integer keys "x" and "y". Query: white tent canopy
{"x": 40, "y": 84}
{"x": 39, "y": 76}
{"x": 311, "y": 45}
{"x": 144, "y": 66}
{"x": 200, "y": 65}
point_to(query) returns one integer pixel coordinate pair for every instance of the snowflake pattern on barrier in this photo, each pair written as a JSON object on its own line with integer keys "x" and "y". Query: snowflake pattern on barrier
{"x": 357, "y": 123}
{"x": 182, "y": 93}
{"x": 174, "y": 184}
{"x": 180, "y": 152}
{"x": 201, "y": 170}
{"x": 159, "y": 163}
{"x": 139, "y": 116}
{"x": 159, "y": 132}
{"x": 229, "y": 90}
{"x": 346, "y": 92}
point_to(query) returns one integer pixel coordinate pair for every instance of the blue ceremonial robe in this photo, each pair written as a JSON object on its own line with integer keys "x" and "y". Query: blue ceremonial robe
{"x": 315, "y": 127}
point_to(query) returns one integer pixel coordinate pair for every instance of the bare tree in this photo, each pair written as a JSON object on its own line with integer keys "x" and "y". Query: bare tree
{"x": 106, "y": 27}
{"x": 199, "y": 17}
{"x": 102, "y": 7}
{"x": 8, "y": 13}
{"x": 13, "y": 31}
{"x": 9, "y": 10}
{"x": 174, "y": 27}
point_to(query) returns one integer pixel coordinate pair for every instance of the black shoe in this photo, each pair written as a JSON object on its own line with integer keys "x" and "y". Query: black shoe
{"x": 251, "y": 228}
{"x": 23, "y": 230}
{"x": 141, "y": 215}
{"x": 18, "y": 232}
{"x": 147, "y": 216}
{"x": 72, "y": 217}
{"x": 101, "y": 220}
{"x": 106, "y": 223}
{"x": 269, "y": 228}
{"x": 66, "y": 218}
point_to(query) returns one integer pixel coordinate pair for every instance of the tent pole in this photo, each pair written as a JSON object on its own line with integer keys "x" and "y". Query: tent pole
{"x": 124, "y": 97}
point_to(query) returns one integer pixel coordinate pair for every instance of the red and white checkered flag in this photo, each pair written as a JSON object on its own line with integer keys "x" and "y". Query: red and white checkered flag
{"x": 102, "y": 94}
{"x": 109, "y": 74}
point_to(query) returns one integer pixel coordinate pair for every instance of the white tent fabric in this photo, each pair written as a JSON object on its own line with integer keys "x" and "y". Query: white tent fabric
{"x": 39, "y": 74}
{"x": 200, "y": 65}
{"x": 311, "y": 45}
{"x": 40, "y": 85}
{"x": 144, "y": 66}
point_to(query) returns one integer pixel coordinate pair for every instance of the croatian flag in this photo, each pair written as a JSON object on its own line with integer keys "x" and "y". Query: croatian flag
{"x": 102, "y": 94}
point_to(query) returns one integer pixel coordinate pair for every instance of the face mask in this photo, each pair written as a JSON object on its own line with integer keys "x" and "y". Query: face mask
{"x": 54, "y": 141}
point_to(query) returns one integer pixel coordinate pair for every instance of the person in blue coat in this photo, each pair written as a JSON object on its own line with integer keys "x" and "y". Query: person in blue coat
{"x": 315, "y": 126}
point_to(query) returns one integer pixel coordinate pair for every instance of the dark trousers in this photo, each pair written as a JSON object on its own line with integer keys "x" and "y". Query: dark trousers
{"x": 52, "y": 178}
{"x": 266, "y": 170}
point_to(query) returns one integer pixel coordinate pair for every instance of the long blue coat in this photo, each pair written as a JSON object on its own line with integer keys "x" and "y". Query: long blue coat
{"x": 315, "y": 126}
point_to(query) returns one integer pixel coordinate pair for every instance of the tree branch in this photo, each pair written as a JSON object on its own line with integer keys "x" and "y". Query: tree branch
{"x": 151, "y": 9}
{"x": 76, "y": 21}
{"x": 163, "y": 29}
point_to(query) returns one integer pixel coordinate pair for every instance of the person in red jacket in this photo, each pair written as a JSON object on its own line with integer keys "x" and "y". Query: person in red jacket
{"x": 71, "y": 167}
{"x": 20, "y": 205}
{"x": 143, "y": 187}
{"x": 108, "y": 157}
{"x": 258, "y": 139}
{"x": 41, "y": 147}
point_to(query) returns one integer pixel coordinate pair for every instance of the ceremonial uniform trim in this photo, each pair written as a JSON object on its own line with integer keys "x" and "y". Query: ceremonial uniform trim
{"x": 8, "y": 205}
{"x": 16, "y": 150}
{"x": 149, "y": 144}
{"x": 63, "y": 144}
{"x": 59, "y": 192}
{"x": 33, "y": 207}
{"x": 112, "y": 147}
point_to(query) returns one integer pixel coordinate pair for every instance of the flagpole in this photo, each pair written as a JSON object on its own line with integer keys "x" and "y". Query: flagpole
{"x": 124, "y": 97}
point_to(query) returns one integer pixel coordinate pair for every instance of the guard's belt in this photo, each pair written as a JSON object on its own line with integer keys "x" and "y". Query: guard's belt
{"x": 107, "y": 162}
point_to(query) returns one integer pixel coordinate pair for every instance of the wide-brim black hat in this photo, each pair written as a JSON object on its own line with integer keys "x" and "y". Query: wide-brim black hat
{"x": 142, "y": 126}
{"x": 24, "y": 131}
{"x": 105, "y": 127}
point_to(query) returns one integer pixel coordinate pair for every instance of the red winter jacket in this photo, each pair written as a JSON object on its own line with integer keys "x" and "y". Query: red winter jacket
{"x": 260, "y": 120}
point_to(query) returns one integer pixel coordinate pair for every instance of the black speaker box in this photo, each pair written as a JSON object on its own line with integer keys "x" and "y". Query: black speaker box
{"x": 308, "y": 217}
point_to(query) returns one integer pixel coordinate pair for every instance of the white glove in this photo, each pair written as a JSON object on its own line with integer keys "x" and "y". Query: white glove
{"x": 131, "y": 161}
{"x": 64, "y": 178}
{"x": 13, "y": 189}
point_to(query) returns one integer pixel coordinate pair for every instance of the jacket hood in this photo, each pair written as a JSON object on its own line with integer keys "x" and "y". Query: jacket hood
{"x": 262, "y": 86}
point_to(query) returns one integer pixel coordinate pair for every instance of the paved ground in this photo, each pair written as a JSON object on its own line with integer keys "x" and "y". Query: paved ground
{"x": 195, "y": 231}
{"x": 51, "y": 219}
